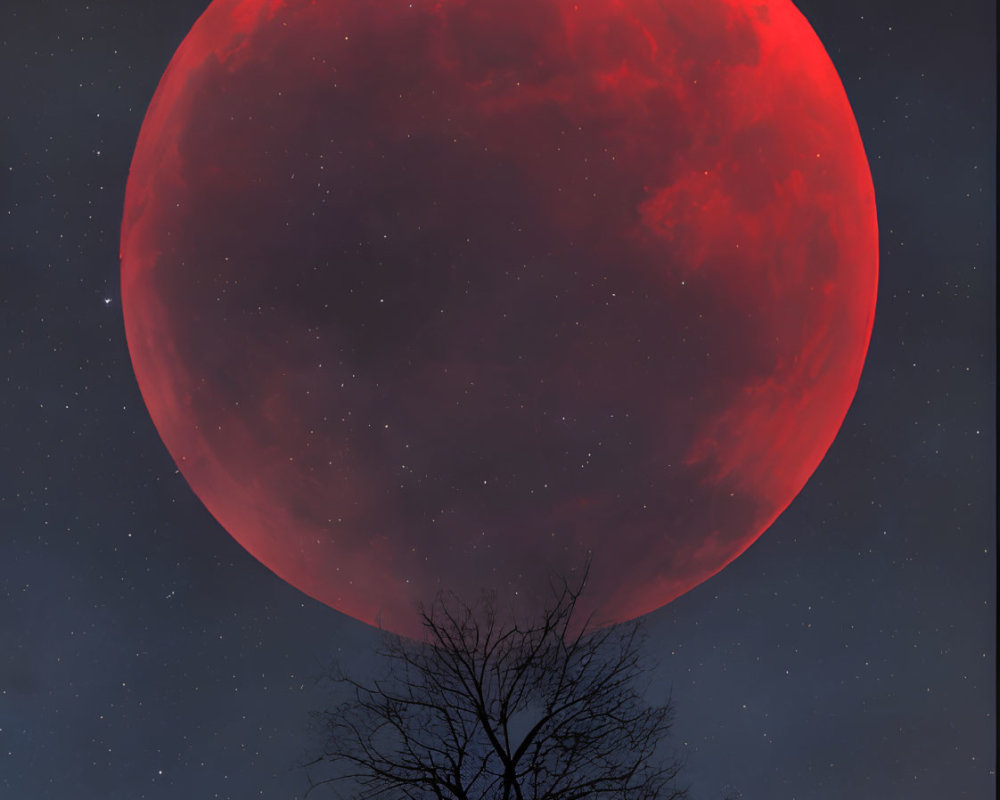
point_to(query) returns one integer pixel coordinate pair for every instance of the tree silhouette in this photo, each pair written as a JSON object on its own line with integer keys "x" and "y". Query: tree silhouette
{"x": 491, "y": 709}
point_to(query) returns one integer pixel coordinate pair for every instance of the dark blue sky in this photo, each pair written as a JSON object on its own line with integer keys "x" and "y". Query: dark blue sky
{"x": 143, "y": 654}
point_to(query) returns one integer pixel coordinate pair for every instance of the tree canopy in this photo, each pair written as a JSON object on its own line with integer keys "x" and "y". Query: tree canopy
{"x": 489, "y": 707}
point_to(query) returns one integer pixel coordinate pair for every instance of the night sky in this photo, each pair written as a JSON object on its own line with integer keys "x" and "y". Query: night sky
{"x": 144, "y": 654}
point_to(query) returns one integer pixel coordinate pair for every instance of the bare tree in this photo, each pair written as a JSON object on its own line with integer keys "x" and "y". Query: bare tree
{"x": 491, "y": 710}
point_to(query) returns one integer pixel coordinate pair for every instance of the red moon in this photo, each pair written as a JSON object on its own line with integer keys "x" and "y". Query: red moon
{"x": 461, "y": 293}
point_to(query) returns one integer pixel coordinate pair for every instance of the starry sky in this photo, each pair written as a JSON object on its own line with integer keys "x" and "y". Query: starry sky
{"x": 145, "y": 654}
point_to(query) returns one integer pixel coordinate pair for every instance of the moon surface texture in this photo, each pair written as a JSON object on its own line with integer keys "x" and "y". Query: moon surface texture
{"x": 462, "y": 294}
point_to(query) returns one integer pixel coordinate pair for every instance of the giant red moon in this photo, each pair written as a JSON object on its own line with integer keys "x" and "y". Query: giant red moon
{"x": 463, "y": 294}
